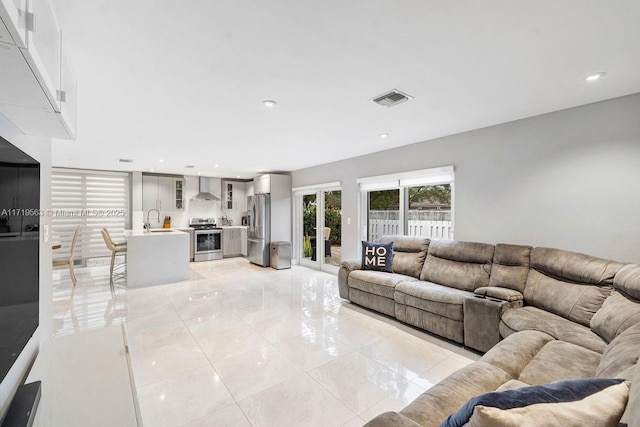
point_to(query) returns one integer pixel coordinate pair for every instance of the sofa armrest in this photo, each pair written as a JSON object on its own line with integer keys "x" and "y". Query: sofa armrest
{"x": 346, "y": 267}
{"x": 351, "y": 264}
{"x": 494, "y": 292}
{"x": 483, "y": 312}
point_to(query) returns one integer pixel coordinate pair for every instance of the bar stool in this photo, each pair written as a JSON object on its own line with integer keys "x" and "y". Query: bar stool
{"x": 115, "y": 248}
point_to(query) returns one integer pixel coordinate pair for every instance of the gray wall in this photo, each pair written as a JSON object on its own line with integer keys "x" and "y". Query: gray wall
{"x": 569, "y": 179}
{"x": 39, "y": 149}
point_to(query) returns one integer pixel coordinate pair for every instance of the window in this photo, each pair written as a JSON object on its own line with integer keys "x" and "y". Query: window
{"x": 93, "y": 200}
{"x": 417, "y": 203}
{"x": 428, "y": 211}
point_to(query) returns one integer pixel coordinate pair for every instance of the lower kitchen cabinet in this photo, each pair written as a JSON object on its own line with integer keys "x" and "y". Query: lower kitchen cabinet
{"x": 232, "y": 241}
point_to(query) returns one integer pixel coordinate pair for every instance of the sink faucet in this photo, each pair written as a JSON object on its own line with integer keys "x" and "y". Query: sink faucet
{"x": 147, "y": 224}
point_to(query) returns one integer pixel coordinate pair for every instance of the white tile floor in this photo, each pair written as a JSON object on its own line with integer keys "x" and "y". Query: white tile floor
{"x": 241, "y": 345}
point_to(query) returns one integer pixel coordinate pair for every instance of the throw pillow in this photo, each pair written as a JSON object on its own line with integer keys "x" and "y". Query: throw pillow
{"x": 587, "y": 401}
{"x": 377, "y": 256}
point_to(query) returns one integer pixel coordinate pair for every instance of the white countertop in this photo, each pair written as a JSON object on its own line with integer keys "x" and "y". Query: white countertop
{"x": 158, "y": 232}
{"x": 234, "y": 226}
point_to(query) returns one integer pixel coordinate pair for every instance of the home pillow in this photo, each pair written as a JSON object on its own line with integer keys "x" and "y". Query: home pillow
{"x": 377, "y": 256}
{"x": 579, "y": 402}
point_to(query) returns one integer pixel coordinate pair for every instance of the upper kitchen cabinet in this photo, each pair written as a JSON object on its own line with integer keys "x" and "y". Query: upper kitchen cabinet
{"x": 164, "y": 193}
{"x": 235, "y": 196}
{"x": 38, "y": 93}
{"x": 16, "y": 20}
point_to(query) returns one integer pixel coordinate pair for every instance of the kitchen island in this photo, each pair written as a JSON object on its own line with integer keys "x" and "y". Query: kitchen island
{"x": 156, "y": 257}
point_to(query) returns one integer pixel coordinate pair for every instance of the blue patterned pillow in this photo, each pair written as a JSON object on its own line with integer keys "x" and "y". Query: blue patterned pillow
{"x": 557, "y": 392}
{"x": 377, "y": 256}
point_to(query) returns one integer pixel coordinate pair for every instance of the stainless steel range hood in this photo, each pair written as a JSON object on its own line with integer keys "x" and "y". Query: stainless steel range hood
{"x": 204, "y": 194}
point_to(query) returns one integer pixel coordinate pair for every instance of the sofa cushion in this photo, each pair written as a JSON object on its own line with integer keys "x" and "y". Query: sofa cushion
{"x": 583, "y": 281}
{"x": 515, "y": 352}
{"x": 376, "y": 282}
{"x": 560, "y": 360}
{"x": 510, "y": 266}
{"x": 618, "y": 313}
{"x": 620, "y": 358}
{"x": 431, "y": 297}
{"x": 627, "y": 280}
{"x": 436, "y": 404}
{"x": 592, "y": 401}
{"x": 461, "y": 265}
{"x": 377, "y": 256}
{"x": 512, "y": 385}
{"x": 575, "y": 267}
{"x": 409, "y": 254}
{"x": 532, "y": 318}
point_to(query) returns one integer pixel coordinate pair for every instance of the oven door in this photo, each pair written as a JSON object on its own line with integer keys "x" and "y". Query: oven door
{"x": 207, "y": 245}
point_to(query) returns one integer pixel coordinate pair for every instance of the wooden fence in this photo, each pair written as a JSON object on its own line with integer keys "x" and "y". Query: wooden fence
{"x": 430, "y": 229}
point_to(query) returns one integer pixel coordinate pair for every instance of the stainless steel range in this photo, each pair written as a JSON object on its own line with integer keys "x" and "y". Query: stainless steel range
{"x": 207, "y": 239}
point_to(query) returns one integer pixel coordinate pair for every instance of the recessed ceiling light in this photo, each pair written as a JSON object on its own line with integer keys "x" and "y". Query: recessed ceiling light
{"x": 199, "y": 173}
{"x": 161, "y": 160}
{"x": 595, "y": 76}
{"x": 269, "y": 103}
{"x": 151, "y": 169}
{"x": 216, "y": 165}
{"x": 384, "y": 135}
{"x": 237, "y": 176}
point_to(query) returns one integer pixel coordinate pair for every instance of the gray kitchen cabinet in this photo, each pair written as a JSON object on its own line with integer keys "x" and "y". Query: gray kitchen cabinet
{"x": 164, "y": 193}
{"x": 243, "y": 240}
{"x": 231, "y": 241}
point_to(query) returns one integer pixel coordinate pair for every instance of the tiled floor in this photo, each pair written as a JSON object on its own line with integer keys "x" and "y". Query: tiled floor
{"x": 241, "y": 345}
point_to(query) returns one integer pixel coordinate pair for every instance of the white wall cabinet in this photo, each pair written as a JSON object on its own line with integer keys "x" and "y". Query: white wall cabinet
{"x": 234, "y": 200}
{"x": 38, "y": 88}
{"x": 232, "y": 241}
{"x": 163, "y": 193}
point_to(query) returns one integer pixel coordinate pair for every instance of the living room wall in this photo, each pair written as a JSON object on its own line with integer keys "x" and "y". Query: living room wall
{"x": 39, "y": 149}
{"x": 568, "y": 179}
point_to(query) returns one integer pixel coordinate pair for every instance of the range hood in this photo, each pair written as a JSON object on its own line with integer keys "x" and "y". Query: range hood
{"x": 204, "y": 195}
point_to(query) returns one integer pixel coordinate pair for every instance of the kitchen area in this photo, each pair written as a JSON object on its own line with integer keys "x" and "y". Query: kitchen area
{"x": 181, "y": 219}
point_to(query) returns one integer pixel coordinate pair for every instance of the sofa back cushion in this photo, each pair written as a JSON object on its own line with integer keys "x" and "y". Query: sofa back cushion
{"x": 510, "y": 266}
{"x": 461, "y": 265}
{"x": 618, "y": 312}
{"x": 627, "y": 281}
{"x": 569, "y": 284}
{"x": 409, "y": 254}
{"x": 620, "y": 358}
{"x": 622, "y": 308}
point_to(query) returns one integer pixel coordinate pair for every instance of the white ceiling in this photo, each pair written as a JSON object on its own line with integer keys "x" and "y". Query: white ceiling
{"x": 184, "y": 81}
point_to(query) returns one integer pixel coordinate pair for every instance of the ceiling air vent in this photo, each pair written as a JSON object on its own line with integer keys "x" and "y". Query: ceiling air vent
{"x": 391, "y": 98}
{"x": 125, "y": 160}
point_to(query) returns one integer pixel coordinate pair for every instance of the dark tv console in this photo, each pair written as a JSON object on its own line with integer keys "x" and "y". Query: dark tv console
{"x": 22, "y": 410}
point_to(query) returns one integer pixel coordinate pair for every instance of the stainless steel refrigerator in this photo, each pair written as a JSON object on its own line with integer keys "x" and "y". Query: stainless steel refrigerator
{"x": 259, "y": 229}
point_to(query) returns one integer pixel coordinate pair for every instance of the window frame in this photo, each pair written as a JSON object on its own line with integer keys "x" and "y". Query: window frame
{"x": 402, "y": 182}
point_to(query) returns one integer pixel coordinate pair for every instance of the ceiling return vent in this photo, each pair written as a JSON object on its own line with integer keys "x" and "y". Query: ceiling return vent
{"x": 391, "y": 98}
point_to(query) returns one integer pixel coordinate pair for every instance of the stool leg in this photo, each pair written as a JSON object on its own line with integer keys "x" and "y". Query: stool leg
{"x": 113, "y": 259}
{"x": 74, "y": 280}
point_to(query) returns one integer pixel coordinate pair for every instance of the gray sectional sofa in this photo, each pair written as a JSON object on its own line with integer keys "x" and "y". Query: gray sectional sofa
{"x": 540, "y": 314}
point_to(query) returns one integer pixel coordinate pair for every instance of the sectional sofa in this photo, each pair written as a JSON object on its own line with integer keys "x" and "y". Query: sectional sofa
{"x": 541, "y": 315}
